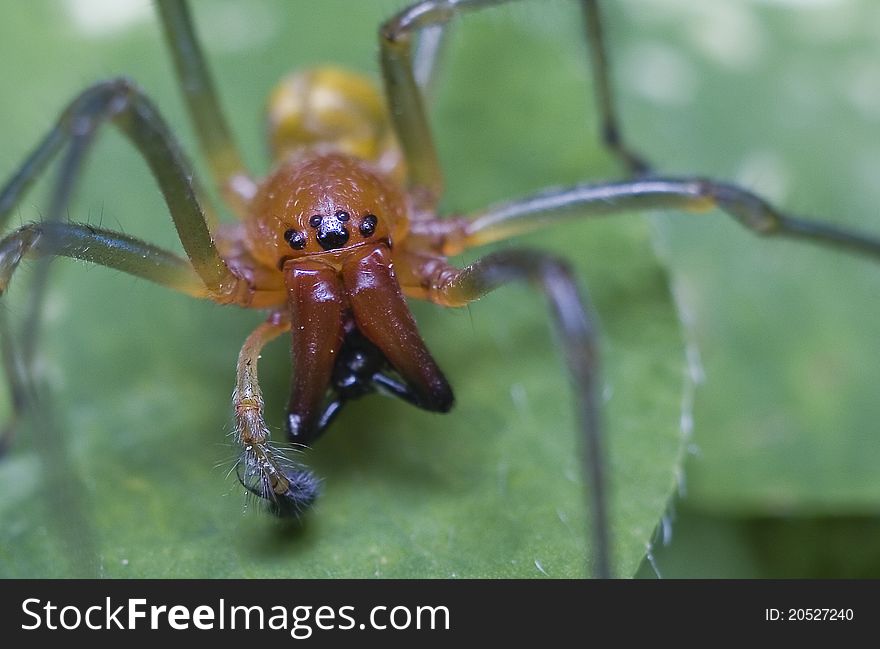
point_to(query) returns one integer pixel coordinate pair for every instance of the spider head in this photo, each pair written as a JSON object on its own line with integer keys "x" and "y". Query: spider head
{"x": 323, "y": 205}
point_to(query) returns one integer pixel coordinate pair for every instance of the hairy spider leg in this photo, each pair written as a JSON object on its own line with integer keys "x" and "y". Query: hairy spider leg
{"x": 21, "y": 390}
{"x": 76, "y": 128}
{"x": 67, "y": 513}
{"x": 203, "y": 275}
{"x": 104, "y": 247}
{"x": 213, "y": 132}
{"x": 99, "y": 246}
{"x": 427, "y": 57}
{"x": 405, "y": 101}
{"x": 572, "y": 313}
{"x": 692, "y": 194}
{"x": 610, "y": 130}
{"x": 66, "y": 180}
{"x": 19, "y": 356}
{"x": 431, "y": 279}
{"x": 119, "y": 101}
{"x": 287, "y": 487}
{"x": 427, "y": 274}
{"x": 407, "y": 72}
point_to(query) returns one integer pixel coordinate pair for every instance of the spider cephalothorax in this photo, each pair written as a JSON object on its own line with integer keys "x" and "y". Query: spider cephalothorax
{"x": 312, "y": 205}
{"x": 330, "y": 223}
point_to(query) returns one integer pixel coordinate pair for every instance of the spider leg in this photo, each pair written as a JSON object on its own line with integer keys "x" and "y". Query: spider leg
{"x": 427, "y": 277}
{"x": 99, "y": 246}
{"x": 205, "y": 274}
{"x": 213, "y": 132}
{"x": 405, "y": 102}
{"x": 63, "y": 190}
{"x": 610, "y": 123}
{"x": 68, "y": 515}
{"x": 27, "y": 398}
{"x": 79, "y": 129}
{"x": 574, "y": 321}
{"x": 122, "y": 103}
{"x": 53, "y": 238}
{"x": 21, "y": 392}
{"x": 288, "y": 488}
{"x": 426, "y": 58}
{"x": 691, "y": 194}
{"x": 409, "y": 74}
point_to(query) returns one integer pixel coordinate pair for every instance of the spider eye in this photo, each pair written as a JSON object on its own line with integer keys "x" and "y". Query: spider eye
{"x": 342, "y": 215}
{"x": 295, "y": 238}
{"x": 368, "y": 225}
{"x": 315, "y": 221}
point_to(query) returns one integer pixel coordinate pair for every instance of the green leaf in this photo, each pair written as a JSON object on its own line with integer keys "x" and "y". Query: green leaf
{"x": 142, "y": 377}
{"x": 785, "y": 101}
{"x": 797, "y": 547}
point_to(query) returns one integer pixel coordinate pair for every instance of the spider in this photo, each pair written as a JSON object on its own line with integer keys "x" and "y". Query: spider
{"x": 326, "y": 271}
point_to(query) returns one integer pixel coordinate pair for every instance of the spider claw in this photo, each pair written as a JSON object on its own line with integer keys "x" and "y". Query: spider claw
{"x": 302, "y": 491}
{"x": 301, "y": 487}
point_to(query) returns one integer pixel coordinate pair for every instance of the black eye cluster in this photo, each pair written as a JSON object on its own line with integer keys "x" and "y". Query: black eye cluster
{"x": 368, "y": 225}
{"x": 297, "y": 239}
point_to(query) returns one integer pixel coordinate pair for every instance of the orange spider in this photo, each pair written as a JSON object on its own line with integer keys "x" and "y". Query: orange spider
{"x": 342, "y": 229}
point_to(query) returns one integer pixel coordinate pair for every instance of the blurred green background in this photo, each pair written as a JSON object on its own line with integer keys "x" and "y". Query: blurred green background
{"x": 772, "y": 472}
